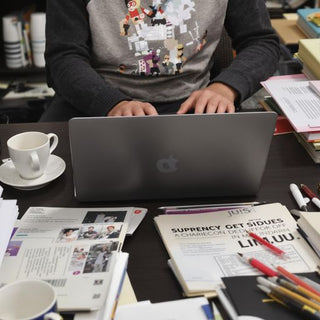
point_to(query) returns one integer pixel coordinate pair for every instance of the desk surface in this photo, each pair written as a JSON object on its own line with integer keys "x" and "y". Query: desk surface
{"x": 148, "y": 271}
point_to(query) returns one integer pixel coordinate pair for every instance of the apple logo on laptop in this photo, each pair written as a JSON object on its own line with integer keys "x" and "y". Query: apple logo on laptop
{"x": 167, "y": 165}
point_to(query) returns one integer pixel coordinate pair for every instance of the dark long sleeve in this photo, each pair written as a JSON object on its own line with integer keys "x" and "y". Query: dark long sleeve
{"x": 69, "y": 70}
{"x": 256, "y": 45}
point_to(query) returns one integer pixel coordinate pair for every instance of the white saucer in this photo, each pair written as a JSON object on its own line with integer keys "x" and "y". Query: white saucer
{"x": 10, "y": 176}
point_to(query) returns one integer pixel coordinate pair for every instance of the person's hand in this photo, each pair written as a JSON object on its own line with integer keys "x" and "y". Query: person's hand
{"x": 216, "y": 98}
{"x": 132, "y": 108}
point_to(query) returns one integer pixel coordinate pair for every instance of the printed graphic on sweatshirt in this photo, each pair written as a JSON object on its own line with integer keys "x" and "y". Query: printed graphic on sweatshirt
{"x": 159, "y": 32}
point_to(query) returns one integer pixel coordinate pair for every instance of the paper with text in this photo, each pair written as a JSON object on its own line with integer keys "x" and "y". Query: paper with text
{"x": 298, "y": 101}
{"x": 203, "y": 247}
{"x": 71, "y": 248}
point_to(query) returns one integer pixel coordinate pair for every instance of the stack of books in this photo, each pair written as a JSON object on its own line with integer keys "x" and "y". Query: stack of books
{"x": 309, "y": 22}
{"x": 309, "y": 54}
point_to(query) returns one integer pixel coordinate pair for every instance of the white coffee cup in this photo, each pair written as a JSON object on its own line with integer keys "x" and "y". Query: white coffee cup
{"x": 28, "y": 300}
{"x": 30, "y": 151}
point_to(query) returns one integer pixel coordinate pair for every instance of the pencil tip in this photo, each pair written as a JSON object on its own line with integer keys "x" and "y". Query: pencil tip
{"x": 240, "y": 254}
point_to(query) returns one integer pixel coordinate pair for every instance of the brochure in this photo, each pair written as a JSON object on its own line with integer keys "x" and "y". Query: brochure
{"x": 74, "y": 249}
{"x": 204, "y": 247}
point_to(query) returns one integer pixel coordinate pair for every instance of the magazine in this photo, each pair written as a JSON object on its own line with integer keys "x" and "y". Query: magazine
{"x": 74, "y": 249}
{"x": 204, "y": 247}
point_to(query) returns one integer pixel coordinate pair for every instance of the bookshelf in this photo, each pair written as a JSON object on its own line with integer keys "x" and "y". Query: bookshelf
{"x": 11, "y": 7}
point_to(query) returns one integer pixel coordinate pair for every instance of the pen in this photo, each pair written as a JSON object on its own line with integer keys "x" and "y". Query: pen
{"x": 288, "y": 293}
{"x": 291, "y": 303}
{"x": 295, "y": 288}
{"x": 235, "y": 204}
{"x": 311, "y": 195}
{"x": 298, "y": 197}
{"x": 296, "y": 280}
{"x": 264, "y": 242}
{"x": 260, "y": 266}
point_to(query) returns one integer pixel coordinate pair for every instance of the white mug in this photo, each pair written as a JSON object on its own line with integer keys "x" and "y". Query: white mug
{"x": 28, "y": 300}
{"x": 30, "y": 151}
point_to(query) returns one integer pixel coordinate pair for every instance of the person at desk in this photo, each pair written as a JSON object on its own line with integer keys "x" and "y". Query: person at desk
{"x": 146, "y": 57}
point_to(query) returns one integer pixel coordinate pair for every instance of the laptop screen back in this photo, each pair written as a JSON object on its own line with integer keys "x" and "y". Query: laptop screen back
{"x": 169, "y": 156}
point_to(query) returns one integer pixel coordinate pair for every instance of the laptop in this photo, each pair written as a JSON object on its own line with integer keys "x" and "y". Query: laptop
{"x": 169, "y": 156}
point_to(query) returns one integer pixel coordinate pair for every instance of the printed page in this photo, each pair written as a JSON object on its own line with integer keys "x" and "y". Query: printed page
{"x": 298, "y": 101}
{"x": 203, "y": 247}
{"x": 184, "y": 309}
{"x": 71, "y": 248}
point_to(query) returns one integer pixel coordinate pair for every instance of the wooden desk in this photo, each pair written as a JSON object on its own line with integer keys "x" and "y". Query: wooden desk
{"x": 148, "y": 271}
{"x": 288, "y": 31}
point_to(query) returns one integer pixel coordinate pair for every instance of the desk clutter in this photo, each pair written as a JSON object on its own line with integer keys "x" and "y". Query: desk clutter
{"x": 211, "y": 247}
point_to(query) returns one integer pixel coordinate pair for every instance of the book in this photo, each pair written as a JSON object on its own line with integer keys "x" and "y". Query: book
{"x": 312, "y": 136}
{"x": 309, "y": 222}
{"x": 309, "y": 21}
{"x": 313, "y": 153}
{"x": 73, "y": 249}
{"x": 203, "y": 247}
{"x": 308, "y": 52}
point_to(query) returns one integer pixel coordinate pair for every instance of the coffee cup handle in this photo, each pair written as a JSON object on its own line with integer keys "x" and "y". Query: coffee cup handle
{"x": 35, "y": 162}
{"x": 55, "y": 141}
{"x": 52, "y": 316}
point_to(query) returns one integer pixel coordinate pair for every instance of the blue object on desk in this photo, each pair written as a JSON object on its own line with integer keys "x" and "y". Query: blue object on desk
{"x": 208, "y": 311}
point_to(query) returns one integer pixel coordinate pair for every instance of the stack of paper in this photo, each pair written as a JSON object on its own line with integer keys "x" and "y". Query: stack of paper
{"x": 301, "y": 105}
{"x": 77, "y": 250}
{"x": 192, "y": 308}
{"x": 309, "y": 223}
{"x": 8, "y": 215}
{"x": 203, "y": 247}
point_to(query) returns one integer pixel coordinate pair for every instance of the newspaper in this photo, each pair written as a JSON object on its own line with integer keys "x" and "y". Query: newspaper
{"x": 73, "y": 249}
{"x": 203, "y": 247}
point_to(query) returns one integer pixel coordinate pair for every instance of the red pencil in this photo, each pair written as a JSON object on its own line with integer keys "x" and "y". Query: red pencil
{"x": 260, "y": 266}
{"x": 273, "y": 248}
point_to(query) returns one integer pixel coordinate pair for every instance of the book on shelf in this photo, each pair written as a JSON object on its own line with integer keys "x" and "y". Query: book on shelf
{"x": 308, "y": 52}
{"x": 203, "y": 247}
{"x": 309, "y": 21}
{"x": 74, "y": 249}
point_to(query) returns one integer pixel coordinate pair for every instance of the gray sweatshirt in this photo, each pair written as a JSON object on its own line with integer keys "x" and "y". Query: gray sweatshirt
{"x": 100, "y": 52}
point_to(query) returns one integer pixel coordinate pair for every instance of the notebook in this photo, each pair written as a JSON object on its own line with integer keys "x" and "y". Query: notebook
{"x": 169, "y": 156}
